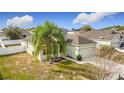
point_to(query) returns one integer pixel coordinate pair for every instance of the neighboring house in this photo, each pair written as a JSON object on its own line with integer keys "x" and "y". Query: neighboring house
{"x": 105, "y": 37}
{"x": 26, "y": 33}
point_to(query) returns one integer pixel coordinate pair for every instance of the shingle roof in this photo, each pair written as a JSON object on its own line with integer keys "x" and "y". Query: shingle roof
{"x": 78, "y": 40}
{"x": 104, "y": 34}
{"x": 27, "y": 33}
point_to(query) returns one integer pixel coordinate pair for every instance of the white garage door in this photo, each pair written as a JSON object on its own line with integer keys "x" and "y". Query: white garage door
{"x": 71, "y": 51}
{"x": 87, "y": 52}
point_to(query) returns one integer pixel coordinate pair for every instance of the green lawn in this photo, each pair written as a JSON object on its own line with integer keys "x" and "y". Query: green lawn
{"x": 25, "y": 67}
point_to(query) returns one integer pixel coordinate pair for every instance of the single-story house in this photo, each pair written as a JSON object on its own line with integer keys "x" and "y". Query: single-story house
{"x": 76, "y": 45}
{"x": 27, "y": 43}
{"x": 104, "y": 37}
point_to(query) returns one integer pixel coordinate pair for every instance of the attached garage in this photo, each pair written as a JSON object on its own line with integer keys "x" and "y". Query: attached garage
{"x": 80, "y": 46}
{"x": 87, "y": 50}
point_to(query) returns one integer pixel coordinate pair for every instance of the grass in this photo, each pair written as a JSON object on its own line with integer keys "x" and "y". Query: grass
{"x": 25, "y": 67}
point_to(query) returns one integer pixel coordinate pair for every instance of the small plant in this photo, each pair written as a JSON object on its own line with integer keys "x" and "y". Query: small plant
{"x": 79, "y": 57}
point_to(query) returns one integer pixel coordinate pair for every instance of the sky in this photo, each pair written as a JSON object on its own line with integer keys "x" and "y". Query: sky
{"x": 67, "y": 20}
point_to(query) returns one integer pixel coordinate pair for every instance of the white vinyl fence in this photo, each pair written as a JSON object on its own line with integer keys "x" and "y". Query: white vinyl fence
{"x": 12, "y": 42}
{"x": 11, "y": 50}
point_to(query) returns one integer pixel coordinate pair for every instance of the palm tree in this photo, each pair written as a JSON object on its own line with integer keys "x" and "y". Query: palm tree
{"x": 50, "y": 37}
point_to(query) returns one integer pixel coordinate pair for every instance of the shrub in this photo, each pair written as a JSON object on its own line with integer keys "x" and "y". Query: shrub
{"x": 110, "y": 53}
{"x": 105, "y": 51}
{"x": 79, "y": 57}
{"x": 117, "y": 56}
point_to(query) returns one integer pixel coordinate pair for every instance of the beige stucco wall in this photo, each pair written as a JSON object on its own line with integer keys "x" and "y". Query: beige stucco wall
{"x": 115, "y": 42}
{"x": 86, "y": 50}
{"x": 72, "y": 51}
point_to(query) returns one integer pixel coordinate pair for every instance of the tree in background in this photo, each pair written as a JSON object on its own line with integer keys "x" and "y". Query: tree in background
{"x": 13, "y": 32}
{"x": 86, "y": 28}
{"x": 50, "y": 38}
{"x": 121, "y": 28}
{"x": 117, "y": 27}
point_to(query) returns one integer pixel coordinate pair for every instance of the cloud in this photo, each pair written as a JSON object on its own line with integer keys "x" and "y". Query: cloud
{"x": 19, "y": 21}
{"x": 85, "y": 18}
